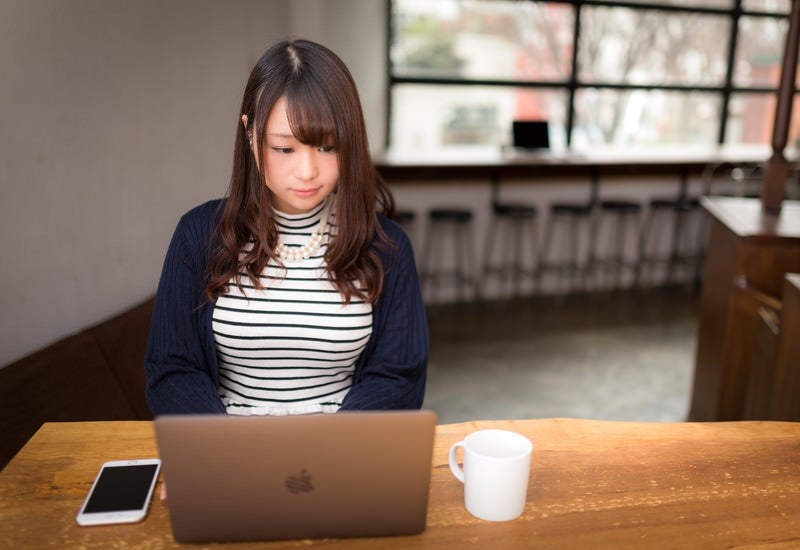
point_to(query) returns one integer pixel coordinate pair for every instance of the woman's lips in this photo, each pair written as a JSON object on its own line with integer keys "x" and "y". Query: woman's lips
{"x": 305, "y": 192}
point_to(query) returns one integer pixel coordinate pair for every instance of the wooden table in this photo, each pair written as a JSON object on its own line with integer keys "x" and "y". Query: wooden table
{"x": 594, "y": 484}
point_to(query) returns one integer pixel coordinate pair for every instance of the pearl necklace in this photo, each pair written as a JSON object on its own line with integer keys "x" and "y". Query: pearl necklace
{"x": 297, "y": 253}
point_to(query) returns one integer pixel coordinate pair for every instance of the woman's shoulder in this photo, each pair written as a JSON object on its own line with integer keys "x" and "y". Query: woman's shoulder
{"x": 399, "y": 243}
{"x": 206, "y": 211}
{"x": 197, "y": 225}
{"x": 203, "y": 215}
{"x": 392, "y": 229}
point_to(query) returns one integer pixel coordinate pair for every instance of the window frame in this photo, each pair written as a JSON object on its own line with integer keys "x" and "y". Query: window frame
{"x": 571, "y": 85}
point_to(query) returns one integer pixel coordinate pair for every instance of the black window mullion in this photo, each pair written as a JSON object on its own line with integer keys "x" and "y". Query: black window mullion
{"x": 572, "y": 84}
{"x": 573, "y": 80}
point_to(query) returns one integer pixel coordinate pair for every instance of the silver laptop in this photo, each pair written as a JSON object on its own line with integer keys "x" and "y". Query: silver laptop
{"x": 350, "y": 474}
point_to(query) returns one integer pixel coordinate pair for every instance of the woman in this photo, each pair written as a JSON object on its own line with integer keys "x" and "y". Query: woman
{"x": 294, "y": 294}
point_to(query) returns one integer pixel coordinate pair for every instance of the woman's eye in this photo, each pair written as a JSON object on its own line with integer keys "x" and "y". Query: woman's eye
{"x": 326, "y": 149}
{"x": 284, "y": 150}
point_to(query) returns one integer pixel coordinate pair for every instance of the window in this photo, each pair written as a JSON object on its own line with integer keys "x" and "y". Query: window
{"x": 603, "y": 73}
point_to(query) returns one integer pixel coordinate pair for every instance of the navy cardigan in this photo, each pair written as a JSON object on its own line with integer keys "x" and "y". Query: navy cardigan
{"x": 181, "y": 360}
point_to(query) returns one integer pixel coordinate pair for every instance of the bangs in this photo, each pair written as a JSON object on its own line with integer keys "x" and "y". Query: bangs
{"x": 311, "y": 118}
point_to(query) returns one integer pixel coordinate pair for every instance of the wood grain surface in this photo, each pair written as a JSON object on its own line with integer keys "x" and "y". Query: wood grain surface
{"x": 593, "y": 484}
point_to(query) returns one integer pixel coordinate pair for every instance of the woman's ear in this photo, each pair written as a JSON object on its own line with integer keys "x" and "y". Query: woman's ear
{"x": 250, "y": 139}
{"x": 247, "y": 131}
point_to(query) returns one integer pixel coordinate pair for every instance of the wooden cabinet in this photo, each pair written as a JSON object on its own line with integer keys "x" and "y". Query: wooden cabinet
{"x": 785, "y": 398}
{"x": 749, "y": 254}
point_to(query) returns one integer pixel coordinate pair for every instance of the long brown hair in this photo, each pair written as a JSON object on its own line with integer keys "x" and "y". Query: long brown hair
{"x": 323, "y": 108}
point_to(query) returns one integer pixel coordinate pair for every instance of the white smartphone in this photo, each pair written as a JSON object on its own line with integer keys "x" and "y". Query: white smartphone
{"x": 120, "y": 493}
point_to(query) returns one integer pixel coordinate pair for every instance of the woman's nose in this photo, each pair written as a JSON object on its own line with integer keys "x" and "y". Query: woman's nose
{"x": 307, "y": 165}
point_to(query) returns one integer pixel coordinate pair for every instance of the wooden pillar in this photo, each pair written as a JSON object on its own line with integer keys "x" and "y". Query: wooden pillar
{"x": 777, "y": 171}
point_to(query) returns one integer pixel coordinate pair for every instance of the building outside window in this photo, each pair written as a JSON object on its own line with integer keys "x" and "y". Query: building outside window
{"x": 612, "y": 74}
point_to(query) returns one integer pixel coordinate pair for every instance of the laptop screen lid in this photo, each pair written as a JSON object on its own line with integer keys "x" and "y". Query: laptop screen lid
{"x": 347, "y": 474}
{"x": 530, "y": 134}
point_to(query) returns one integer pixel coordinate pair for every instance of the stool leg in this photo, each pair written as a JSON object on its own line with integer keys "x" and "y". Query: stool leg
{"x": 458, "y": 269}
{"x": 674, "y": 252}
{"x": 436, "y": 259}
{"x": 433, "y": 256}
{"x": 458, "y": 273}
{"x": 470, "y": 266}
{"x": 635, "y": 220}
{"x": 516, "y": 262}
{"x": 462, "y": 239}
{"x": 544, "y": 251}
{"x": 645, "y": 257}
{"x": 527, "y": 234}
{"x": 571, "y": 264}
{"x": 426, "y": 256}
{"x": 535, "y": 256}
{"x": 487, "y": 255}
{"x": 619, "y": 248}
{"x": 582, "y": 269}
{"x": 502, "y": 267}
{"x": 591, "y": 266}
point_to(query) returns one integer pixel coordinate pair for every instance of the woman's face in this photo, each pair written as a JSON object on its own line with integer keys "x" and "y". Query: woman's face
{"x": 300, "y": 176}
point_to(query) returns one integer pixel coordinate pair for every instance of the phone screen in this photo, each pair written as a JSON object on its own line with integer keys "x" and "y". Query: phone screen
{"x": 121, "y": 488}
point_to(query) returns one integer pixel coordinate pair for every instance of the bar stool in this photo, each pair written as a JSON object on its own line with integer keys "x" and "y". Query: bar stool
{"x": 407, "y": 220}
{"x": 453, "y": 225}
{"x": 518, "y": 223}
{"x": 682, "y": 221}
{"x": 571, "y": 219}
{"x": 405, "y": 217}
{"x": 618, "y": 215}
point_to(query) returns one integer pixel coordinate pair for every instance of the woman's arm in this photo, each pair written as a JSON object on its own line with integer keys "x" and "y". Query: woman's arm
{"x": 180, "y": 362}
{"x": 392, "y": 371}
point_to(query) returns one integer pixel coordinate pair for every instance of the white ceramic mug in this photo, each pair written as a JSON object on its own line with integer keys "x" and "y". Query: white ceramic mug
{"x": 497, "y": 464}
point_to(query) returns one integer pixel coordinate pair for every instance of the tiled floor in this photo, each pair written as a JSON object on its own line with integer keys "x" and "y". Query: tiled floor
{"x": 617, "y": 357}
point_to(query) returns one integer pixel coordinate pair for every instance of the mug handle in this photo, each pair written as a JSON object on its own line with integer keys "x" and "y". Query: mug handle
{"x": 454, "y": 466}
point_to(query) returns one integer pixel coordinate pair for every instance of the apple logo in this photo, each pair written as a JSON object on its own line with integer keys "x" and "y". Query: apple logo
{"x": 300, "y": 482}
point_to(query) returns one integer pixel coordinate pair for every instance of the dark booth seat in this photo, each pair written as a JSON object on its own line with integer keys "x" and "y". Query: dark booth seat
{"x": 96, "y": 374}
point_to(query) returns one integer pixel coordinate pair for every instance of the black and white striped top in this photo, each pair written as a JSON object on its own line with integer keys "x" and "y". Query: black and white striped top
{"x": 292, "y": 347}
